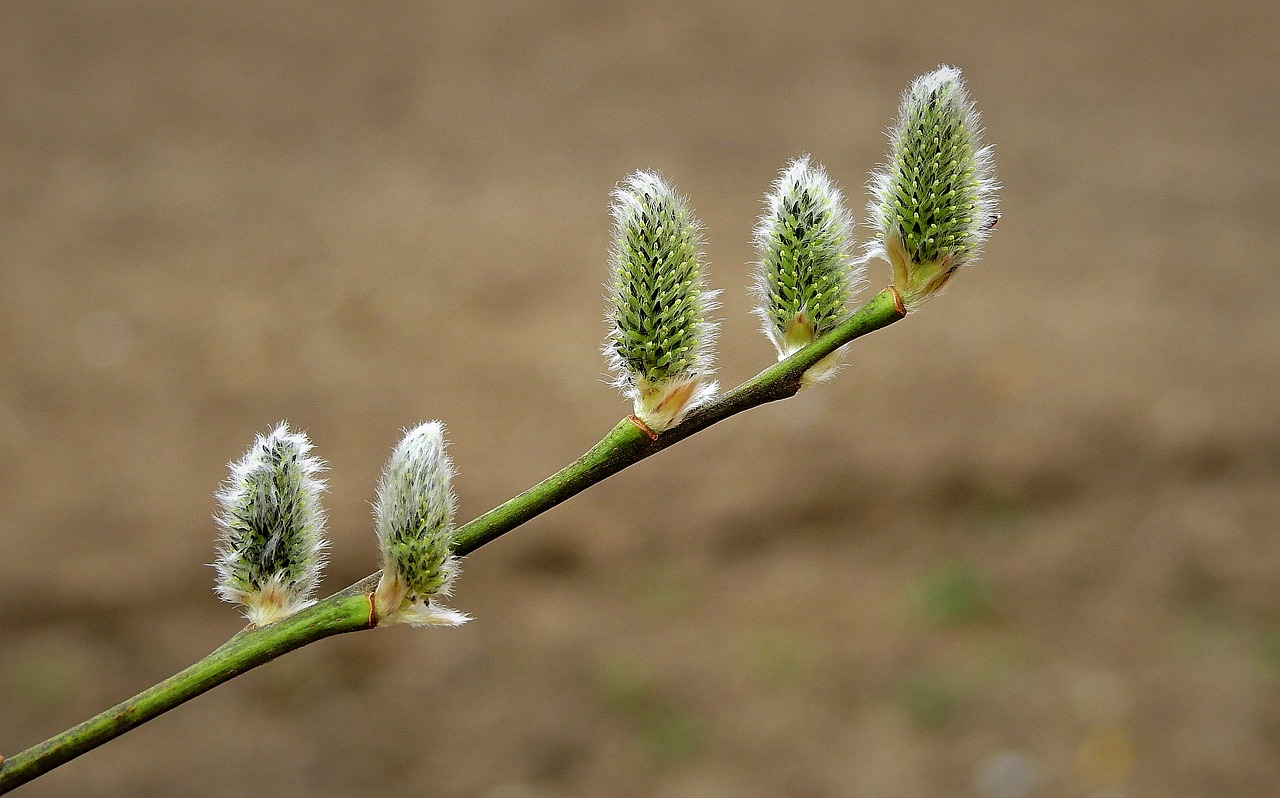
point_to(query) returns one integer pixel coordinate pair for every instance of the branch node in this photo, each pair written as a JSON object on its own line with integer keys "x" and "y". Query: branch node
{"x": 643, "y": 427}
{"x": 897, "y": 302}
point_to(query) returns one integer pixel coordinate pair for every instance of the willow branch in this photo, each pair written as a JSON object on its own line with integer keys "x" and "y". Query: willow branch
{"x": 350, "y": 610}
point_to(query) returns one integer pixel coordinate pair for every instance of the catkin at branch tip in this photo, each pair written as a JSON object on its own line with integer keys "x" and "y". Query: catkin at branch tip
{"x": 934, "y": 202}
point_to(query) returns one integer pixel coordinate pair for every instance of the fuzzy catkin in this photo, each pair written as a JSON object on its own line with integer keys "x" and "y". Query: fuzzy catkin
{"x": 272, "y": 528}
{"x": 935, "y": 199}
{"x": 660, "y": 339}
{"x": 413, "y": 518}
{"x": 805, "y": 275}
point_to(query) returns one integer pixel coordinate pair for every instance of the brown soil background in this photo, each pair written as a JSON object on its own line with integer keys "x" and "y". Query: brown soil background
{"x": 1026, "y": 545}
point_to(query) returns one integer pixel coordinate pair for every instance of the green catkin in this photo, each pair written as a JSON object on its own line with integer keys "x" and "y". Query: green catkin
{"x": 805, "y": 275}
{"x": 659, "y": 345}
{"x": 414, "y": 522}
{"x": 935, "y": 199}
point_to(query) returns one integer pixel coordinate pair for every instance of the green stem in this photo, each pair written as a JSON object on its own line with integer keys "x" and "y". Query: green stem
{"x": 347, "y": 611}
{"x": 626, "y": 444}
{"x": 350, "y": 610}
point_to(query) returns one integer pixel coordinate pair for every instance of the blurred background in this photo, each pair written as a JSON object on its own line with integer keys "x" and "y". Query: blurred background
{"x": 1025, "y": 545}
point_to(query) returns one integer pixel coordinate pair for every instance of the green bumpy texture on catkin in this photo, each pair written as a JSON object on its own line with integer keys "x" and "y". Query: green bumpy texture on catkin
{"x": 657, "y": 306}
{"x": 934, "y": 179}
{"x": 266, "y": 529}
{"x": 804, "y": 263}
{"x": 421, "y": 550}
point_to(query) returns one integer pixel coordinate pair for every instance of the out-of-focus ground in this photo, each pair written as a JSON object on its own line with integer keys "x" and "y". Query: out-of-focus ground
{"x": 1025, "y": 546}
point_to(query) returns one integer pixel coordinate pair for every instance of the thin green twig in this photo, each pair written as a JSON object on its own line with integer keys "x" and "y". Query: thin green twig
{"x": 349, "y": 610}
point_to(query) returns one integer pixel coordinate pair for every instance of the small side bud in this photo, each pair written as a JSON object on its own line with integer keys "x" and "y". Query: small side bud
{"x": 659, "y": 345}
{"x": 935, "y": 200}
{"x": 272, "y": 542}
{"x": 414, "y": 522}
{"x": 805, "y": 276}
